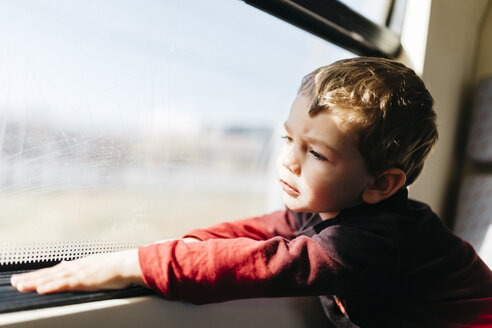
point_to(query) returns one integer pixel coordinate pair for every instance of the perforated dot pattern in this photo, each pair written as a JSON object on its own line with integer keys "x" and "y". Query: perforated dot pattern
{"x": 480, "y": 140}
{"x": 60, "y": 251}
{"x": 474, "y": 216}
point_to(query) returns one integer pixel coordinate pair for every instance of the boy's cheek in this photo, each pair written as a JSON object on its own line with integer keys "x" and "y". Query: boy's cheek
{"x": 280, "y": 169}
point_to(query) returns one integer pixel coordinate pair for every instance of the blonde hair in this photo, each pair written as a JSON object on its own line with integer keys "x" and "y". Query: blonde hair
{"x": 385, "y": 105}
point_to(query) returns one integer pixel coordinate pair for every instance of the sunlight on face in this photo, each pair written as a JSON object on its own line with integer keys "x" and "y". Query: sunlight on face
{"x": 320, "y": 168}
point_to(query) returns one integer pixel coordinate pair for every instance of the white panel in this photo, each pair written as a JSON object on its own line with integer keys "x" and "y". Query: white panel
{"x": 480, "y": 139}
{"x": 474, "y": 217}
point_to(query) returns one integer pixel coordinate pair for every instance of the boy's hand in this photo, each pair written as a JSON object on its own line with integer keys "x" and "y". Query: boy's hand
{"x": 95, "y": 272}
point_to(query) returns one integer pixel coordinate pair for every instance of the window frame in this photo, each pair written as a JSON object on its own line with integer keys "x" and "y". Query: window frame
{"x": 337, "y": 23}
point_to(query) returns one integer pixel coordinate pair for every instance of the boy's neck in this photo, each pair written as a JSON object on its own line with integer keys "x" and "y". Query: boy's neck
{"x": 327, "y": 216}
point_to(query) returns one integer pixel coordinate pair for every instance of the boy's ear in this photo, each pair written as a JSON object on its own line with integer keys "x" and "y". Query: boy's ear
{"x": 384, "y": 186}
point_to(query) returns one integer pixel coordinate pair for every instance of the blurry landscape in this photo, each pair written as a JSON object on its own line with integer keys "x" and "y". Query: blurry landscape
{"x": 59, "y": 186}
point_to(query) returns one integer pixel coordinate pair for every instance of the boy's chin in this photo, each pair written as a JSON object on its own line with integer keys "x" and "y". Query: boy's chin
{"x": 294, "y": 209}
{"x": 292, "y": 205}
{"x": 296, "y": 206}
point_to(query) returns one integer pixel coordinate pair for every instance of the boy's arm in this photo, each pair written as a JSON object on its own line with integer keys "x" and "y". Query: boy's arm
{"x": 280, "y": 223}
{"x": 223, "y": 269}
{"x": 95, "y": 272}
{"x": 118, "y": 270}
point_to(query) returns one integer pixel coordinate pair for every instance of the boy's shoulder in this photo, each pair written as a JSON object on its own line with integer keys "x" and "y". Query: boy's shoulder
{"x": 396, "y": 212}
{"x": 397, "y": 230}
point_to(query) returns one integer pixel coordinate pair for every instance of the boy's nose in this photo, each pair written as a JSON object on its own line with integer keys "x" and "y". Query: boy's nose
{"x": 291, "y": 163}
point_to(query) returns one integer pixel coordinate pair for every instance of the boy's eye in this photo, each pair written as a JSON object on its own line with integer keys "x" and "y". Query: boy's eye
{"x": 318, "y": 156}
{"x": 287, "y": 139}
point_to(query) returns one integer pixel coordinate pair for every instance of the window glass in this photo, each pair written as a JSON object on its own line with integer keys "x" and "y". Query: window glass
{"x": 141, "y": 119}
{"x": 374, "y": 10}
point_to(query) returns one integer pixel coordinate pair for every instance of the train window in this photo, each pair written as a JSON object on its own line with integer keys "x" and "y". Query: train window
{"x": 130, "y": 119}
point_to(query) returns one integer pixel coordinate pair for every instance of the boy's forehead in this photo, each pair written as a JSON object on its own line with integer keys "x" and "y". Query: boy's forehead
{"x": 300, "y": 112}
{"x": 301, "y": 121}
{"x": 303, "y": 101}
{"x": 321, "y": 127}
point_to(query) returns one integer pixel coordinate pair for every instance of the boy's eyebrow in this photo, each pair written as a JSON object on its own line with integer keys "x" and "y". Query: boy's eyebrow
{"x": 315, "y": 141}
{"x": 322, "y": 144}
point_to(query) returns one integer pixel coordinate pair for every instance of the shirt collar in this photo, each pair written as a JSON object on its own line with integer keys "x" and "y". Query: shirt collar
{"x": 398, "y": 201}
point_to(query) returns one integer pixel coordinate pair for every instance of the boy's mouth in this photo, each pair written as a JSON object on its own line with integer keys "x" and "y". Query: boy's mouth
{"x": 288, "y": 188}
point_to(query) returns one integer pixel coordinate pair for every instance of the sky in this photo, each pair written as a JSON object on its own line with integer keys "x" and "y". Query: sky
{"x": 167, "y": 64}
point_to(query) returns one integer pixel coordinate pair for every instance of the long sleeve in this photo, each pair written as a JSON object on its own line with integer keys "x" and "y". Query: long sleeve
{"x": 389, "y": 265}
{"x": 279, "y": 223}
{"x": 222, "y": 269}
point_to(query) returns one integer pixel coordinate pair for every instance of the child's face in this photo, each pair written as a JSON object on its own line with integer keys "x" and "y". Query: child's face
{"x": 320, "y": 168}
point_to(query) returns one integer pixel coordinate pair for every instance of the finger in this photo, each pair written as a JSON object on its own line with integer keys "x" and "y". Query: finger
{"x": 72, "y": 283}
{"x": 37, "y": 273}
{"x": 22, "y": 287}
{"x": 30, "y": 281}
{"x": 24, "y": 283}
{"x": 18, "y": 278}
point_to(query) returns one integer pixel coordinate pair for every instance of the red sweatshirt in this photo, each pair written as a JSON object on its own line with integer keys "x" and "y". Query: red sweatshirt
{"x": 392, "y": 264}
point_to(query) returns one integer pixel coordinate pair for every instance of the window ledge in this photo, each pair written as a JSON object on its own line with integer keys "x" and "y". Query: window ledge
{"x": 153, "y": 311}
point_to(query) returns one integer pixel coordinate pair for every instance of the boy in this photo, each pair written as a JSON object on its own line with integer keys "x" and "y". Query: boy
{"x": 356, "y": 137}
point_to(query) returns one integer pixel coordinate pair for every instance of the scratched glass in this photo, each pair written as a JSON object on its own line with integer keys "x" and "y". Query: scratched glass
{"x": 141, "y": 119}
